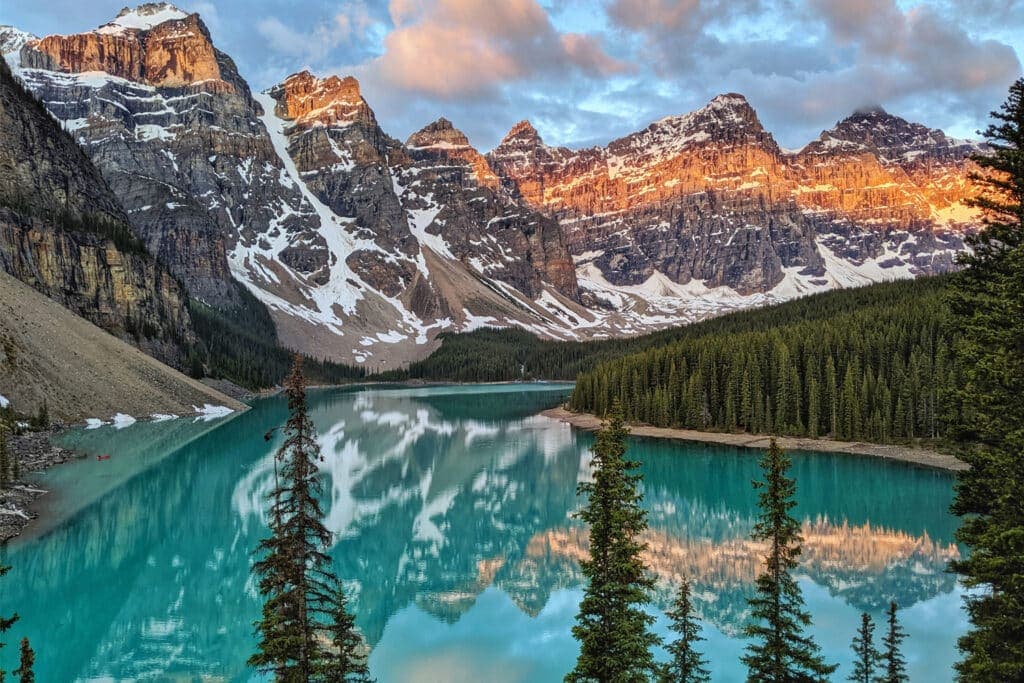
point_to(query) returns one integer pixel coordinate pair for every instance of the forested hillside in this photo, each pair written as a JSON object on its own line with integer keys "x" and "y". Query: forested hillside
{"x": 512, "y": 354}
{"x": 871, "y": 364}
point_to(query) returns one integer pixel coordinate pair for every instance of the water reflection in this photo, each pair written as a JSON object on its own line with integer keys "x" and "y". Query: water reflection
{"x": 451, "y": 510}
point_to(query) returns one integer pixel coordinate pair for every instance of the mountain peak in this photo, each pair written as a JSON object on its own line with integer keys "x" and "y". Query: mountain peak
{"x": 156, "y": 44}
{"x": 12, "y": 39}
{"x": 729, "y": 99}
{"x": 892, "y": 138}
{"x": 520, "y": 134}
{"x": 440, "y": 133}
{"x": 144, "y": 17}
{"x": 308, "y": 99}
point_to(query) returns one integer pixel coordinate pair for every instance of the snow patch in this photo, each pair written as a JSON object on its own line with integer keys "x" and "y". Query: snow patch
{"x": 120, "y": 421}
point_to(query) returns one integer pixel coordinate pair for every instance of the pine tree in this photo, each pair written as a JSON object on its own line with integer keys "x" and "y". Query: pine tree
{"x": 894, "y": 668}
{"x": 25, "y": 663}
{"x": 346, "y": 660}
{"x": 5, "y": 622}
{"x": 294, "y": 572}
{"x": 866, "y": 656}
{"x": 687, "y": 665}
{"x": 987, "y": 302}
{"x": 781, "y": 652}
{"x": 613, "y": 630}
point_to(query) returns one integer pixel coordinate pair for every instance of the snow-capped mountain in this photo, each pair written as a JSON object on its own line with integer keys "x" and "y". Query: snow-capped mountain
{"x": 365, "y": 248}
{"x": 708, "y": 199}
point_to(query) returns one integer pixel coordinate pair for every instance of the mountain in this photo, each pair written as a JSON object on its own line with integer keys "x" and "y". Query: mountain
{"x": 709, "y": 199}
{"x": 63, "y": 232}
{"x": 364, "y": 249}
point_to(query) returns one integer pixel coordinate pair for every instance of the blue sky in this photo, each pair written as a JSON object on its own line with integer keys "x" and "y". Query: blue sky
{"x": 587, "y": 72}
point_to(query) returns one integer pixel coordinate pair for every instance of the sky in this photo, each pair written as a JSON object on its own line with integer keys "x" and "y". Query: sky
{"x": 586, "y": 72}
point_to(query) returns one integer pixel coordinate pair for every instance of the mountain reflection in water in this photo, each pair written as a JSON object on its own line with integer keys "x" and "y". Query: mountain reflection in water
{"x": 451, "y": 509}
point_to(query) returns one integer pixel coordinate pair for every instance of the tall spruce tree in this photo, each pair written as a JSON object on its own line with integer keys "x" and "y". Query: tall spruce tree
{"x": 866, "y": 656}
{"x": 686, "y": 664}
{"x": 294, "y": 571}
{"x": 26, "y": 660}
{"x": 894, "y": 667}
{"x": 780, "y": 651}
{"x": 987, "y": 302}
{"x": 5, "y": 622}
{"x": 612, "y": 628}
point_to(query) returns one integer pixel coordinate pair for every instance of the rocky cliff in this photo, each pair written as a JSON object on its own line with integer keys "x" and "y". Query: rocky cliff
{"x": 63, "y": 232}
{"x": 174, "y": 131}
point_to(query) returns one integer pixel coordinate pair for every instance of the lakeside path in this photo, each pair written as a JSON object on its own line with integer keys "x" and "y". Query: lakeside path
{"x": 916, "y": 456}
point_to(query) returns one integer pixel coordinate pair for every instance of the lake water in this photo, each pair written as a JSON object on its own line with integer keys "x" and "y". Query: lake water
{"x": 452, "y": 509}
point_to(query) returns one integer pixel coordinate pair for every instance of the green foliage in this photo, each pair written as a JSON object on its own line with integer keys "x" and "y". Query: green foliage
{"x": 5, "y": 622}
{"x": 686, "y": 664}
{"x": 866, "y": 656}
{"x": 41, "y": 420}
{"x": 346, "y": 661}
{"x": 894, "y": 667}
{"x": 304, "y": 608}
{"x": 780, "y": 651}
{"x": 613, "y": 630}
{"x": 872, "y": 364}
{"x": 241, "y": 345}
{"x": 987, "y": 302}
{"x": 26, "y": 660}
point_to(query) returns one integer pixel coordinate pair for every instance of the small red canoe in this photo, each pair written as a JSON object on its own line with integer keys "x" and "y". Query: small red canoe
{"x": 103, "y": 457}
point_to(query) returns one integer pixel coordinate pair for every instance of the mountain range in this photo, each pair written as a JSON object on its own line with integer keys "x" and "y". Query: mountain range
{"x": 365, "y": 248}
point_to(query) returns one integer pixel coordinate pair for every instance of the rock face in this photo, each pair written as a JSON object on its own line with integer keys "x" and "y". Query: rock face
{"x": 63, "y": 232}
{"x": 175, "y": 132}
{"x": 709, "y": 196}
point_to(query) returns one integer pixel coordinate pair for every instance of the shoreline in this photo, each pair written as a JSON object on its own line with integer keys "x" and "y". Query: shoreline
{"x": 34, "y": 452}
{"x": 916, "y": 456}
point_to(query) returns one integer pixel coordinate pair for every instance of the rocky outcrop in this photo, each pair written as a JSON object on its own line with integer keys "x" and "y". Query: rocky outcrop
{"x": 63, "y": 232}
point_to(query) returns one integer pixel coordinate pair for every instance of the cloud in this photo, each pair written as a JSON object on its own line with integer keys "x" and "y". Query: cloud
{"x": 587, "y": 71}
{"x": 456, "y": 48}
{"x": 313, "y": 45}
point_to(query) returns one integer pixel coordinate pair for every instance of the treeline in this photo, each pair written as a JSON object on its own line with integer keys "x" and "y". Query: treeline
{"x": 241, "y": 345}
{"x": 495, "y": 355}
{"x": 873, "y": 364}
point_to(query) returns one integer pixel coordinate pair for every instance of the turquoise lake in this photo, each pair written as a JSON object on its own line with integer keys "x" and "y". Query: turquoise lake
{"x": 452, "y": 514}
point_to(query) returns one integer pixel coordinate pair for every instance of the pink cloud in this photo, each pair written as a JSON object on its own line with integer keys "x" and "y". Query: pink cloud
{"x": 450, "y": 48}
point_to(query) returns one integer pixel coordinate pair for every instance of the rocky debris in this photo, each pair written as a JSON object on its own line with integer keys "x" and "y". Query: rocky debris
{"x": 34, "y": 452}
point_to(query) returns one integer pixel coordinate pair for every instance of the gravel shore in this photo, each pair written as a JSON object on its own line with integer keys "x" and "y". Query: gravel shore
{"x": 35, "y": 452}
{"x": 917, "y": 456}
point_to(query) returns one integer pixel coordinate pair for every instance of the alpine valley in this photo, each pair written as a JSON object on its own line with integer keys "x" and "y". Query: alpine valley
{"x": 365, "y": 248}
